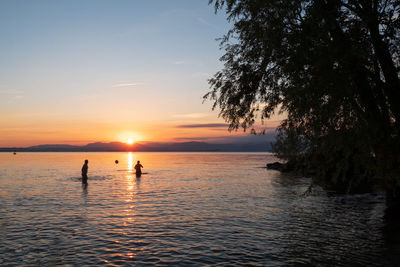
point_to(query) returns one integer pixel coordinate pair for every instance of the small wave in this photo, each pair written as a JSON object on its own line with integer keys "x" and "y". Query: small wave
{"x": 130, "y": 171}
{"x": 100, "y": 178}
{"x": 91, "y": 178}
{"x": 75, "y": 179}
{"x": 190, "y": 179}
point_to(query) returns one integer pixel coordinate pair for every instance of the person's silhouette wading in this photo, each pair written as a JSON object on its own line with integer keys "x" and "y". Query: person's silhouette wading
{"x": 138, "y": 169}
{"x": 84, "y": 172}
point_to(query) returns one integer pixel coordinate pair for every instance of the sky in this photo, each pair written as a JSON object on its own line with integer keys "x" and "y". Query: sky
{"x": 75, "y": 72}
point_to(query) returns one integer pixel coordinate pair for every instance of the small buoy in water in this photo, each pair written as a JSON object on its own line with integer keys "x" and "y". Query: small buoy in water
{"x": 15, "y": 153}
{"x": 116, "y": 161}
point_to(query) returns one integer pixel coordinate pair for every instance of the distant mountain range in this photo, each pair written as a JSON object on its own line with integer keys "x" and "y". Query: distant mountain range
{"x": 147, "y": 147}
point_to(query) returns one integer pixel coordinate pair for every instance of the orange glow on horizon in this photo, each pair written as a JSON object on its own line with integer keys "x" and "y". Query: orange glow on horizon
{"x": 82, "y": 133}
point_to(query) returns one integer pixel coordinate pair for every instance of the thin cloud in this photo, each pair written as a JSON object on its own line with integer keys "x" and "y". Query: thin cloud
{"x": 12, "y": 95}
{"x": 193, "y": 138}
{"x": 206, "y": 23}
{"x": 203, "y": 125}
{"x": 191, "y": 115}
{"x": 232, "y": 138}
{"x": 125, "y": 85}
{"x": 11, "y": 92}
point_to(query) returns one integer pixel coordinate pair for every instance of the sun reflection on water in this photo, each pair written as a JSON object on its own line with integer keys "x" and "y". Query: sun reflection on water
{"x": 129, "y": 216}
{"x": 130, "y": 161}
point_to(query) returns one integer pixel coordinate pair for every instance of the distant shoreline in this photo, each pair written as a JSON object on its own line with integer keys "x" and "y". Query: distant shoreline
{"x": 166, "y": 152}
{"x": 145, "y": 147}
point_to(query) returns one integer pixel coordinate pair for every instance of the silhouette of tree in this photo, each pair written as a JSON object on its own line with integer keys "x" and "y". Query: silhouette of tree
{"x": 333, "y": 67}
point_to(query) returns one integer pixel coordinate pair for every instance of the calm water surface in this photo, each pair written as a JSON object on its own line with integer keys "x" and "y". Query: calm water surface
{"x": 189, "y": 209}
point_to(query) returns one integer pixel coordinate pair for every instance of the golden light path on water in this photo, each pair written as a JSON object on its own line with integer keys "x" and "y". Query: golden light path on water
{"x": 128, "y": 218}
{"x": 130, "y": 161}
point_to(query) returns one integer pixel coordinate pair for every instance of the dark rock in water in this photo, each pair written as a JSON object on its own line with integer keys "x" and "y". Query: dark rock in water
{"x": 275, "y": 166}
{"x": 283, "y": 167}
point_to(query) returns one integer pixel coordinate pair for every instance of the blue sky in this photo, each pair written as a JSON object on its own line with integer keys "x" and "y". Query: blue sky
{"x": 120, "y": 67}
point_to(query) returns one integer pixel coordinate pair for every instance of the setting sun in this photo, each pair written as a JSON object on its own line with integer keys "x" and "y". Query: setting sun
{"x": 129, "y": 137}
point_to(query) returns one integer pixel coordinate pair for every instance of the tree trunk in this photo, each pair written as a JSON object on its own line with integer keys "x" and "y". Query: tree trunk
{"x": 392, "y": 88}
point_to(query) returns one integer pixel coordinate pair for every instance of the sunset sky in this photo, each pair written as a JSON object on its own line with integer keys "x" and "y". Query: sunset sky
{"x": 76, "y": 72}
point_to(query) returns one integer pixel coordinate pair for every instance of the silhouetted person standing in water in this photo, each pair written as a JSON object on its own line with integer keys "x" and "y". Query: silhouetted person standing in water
{"x": 84, "y": 172}
{"x": 138, "y": 169}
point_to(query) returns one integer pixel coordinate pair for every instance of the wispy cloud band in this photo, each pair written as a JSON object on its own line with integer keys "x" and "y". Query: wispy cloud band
{"x": 125, "y": 85}
{"x": 191, "y": 115}
{"x": 203, "y": 125}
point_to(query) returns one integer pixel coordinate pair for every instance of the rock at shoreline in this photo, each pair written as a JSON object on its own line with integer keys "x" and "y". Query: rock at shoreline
{"x": 275, "y": 166}
{"x": 282, "y": 167}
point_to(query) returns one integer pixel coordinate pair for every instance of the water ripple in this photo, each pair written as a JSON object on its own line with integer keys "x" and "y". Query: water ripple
{"x": 190, "y": 209}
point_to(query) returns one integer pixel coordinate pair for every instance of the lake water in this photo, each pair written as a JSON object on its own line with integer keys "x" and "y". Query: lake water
{"x": 189, "y": 209}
